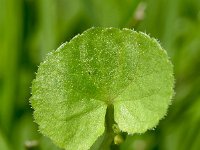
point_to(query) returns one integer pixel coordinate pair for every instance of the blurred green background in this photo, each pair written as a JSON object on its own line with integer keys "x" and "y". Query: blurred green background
{"x": 29, "y": 29}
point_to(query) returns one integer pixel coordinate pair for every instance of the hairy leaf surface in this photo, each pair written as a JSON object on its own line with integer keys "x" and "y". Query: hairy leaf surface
{"x": 101, "y": 67}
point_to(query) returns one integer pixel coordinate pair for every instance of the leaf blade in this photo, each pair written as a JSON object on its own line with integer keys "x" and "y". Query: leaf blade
{"x": 101, "y": 67}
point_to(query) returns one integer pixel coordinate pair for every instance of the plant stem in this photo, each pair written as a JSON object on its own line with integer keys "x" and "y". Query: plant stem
{"x": 109, "y": 133}
{"x": 106, "y": 141}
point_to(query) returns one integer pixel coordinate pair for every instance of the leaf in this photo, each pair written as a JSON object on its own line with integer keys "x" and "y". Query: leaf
{"x": 101, "y": 67}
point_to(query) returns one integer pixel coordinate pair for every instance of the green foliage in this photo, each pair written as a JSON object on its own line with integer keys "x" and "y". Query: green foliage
{"x": 3, "y": 142}
{"x": 29, "y": 29}
{"x": 102, "y": 15}
{"x": 101, "y": 67}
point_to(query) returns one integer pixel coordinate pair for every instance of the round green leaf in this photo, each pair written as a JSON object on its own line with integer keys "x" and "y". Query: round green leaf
{"x": 101, "y": 67}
